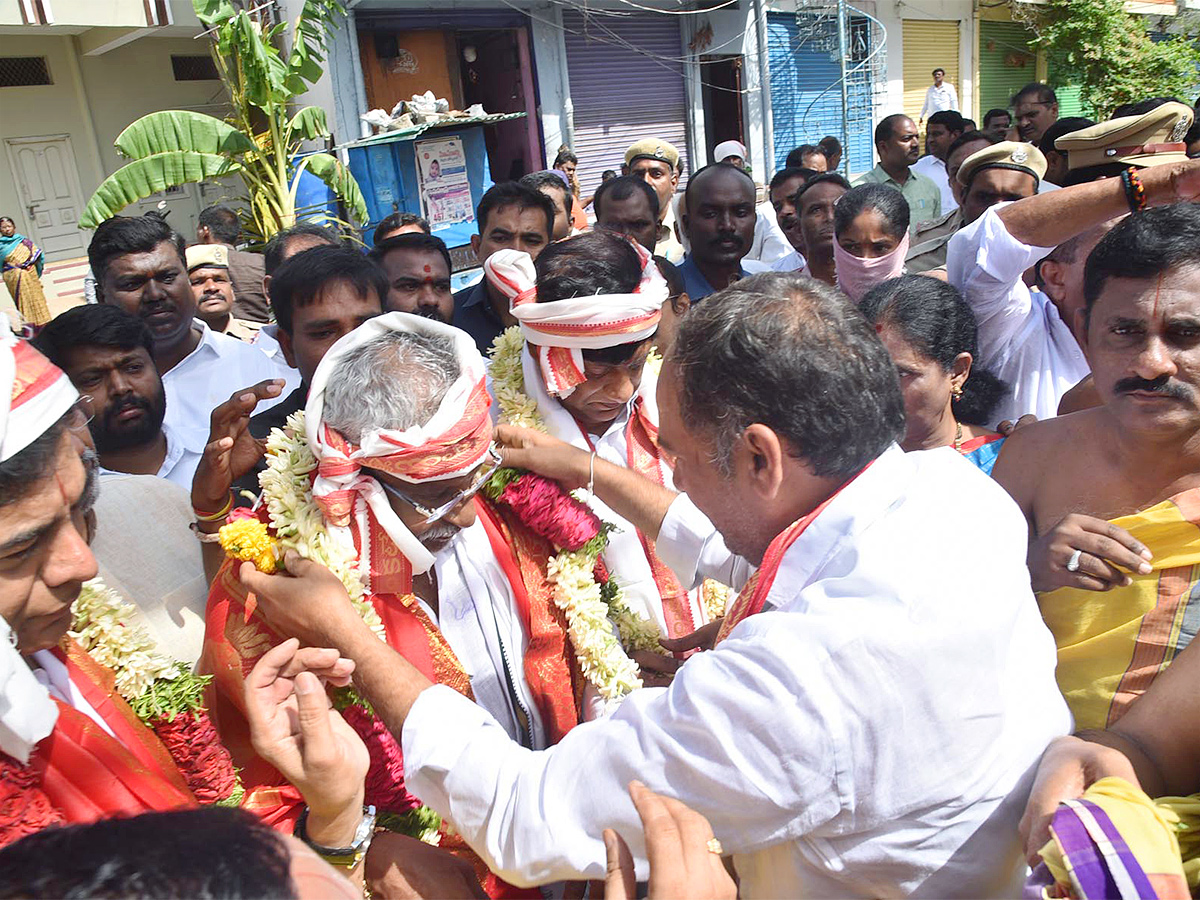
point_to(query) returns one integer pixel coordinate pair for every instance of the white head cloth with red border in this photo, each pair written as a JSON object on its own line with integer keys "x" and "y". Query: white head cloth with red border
{"x": 34, "y": 394}
{"x": 451, "y": 444}
{"x": 557, "y": 332}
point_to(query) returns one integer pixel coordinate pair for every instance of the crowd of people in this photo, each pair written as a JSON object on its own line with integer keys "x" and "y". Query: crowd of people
{"x": 833, "y": 545}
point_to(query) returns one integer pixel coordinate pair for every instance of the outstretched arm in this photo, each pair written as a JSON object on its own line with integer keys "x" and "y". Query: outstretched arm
{"x": 1047, "y": 220}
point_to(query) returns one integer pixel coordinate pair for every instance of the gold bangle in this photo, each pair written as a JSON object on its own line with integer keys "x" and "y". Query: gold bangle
{"x": 220, "y": 514}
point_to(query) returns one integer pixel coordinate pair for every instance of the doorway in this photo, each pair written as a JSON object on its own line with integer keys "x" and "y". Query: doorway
{"x": 721, "y": 93}
{"x": 496, "y": 70}
{"x": 48, "y": 188}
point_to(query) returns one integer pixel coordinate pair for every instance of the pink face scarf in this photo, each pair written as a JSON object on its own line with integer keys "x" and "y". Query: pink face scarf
{"x": 856, "y": 276}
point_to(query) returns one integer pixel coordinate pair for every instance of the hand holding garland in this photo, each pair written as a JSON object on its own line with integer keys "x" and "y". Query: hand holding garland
{"x": 632, "y": 496}
{"x": 230, "y": 453}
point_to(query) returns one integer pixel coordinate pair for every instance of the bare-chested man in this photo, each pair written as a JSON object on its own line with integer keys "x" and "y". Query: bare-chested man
{"x": 1112, "y": 494}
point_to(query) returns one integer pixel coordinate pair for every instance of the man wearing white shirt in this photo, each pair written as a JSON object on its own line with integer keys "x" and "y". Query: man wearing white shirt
{"x": 944, "y": 128}
{"x": 140, "y": 267}
{"x": 105, "y": 352}
{"x": 828, "y": 737}
{"x": 940, "y": 95}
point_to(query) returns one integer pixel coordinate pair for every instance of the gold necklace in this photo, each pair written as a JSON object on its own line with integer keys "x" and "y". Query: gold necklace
{"x": 958, "y": 436}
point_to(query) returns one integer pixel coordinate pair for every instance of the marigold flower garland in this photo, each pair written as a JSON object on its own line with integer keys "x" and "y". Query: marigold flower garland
{"x": 167, "y": 697}
{"x": 297, "y": 523}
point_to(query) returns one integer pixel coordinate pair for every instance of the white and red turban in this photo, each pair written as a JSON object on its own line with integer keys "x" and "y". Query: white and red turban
{"x": 558, "y": 331}
{"x": 34, "y": 394}
{"x": 452, "y": 443}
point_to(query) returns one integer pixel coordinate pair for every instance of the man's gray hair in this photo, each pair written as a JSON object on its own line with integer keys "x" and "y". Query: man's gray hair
{"x": 394, "y": 381}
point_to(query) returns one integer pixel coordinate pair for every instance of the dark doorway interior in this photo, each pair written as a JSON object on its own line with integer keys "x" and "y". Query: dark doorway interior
{"x": 722, "y": 96}
{"x": 497, "y": 71}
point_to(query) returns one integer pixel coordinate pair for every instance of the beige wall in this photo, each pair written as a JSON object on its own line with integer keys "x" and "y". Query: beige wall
{"x": 117, "y": 87}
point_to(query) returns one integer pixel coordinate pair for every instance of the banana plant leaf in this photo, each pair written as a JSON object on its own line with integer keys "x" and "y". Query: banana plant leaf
{"x": 181, "y": 130}
{"x": 309, "y": 123}
{"x": 213, "y": 12}
{"x": 143, "y": 178}
{"x": 331, "y": 171}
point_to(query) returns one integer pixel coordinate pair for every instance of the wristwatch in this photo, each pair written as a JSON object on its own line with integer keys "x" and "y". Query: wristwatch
{"x": 345, "y": 857}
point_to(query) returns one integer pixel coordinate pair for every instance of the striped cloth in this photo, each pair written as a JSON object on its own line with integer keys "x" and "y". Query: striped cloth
{"x": 1113, "y": 644}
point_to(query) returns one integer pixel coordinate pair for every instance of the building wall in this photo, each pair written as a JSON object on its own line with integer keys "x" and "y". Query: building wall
{"x": 92, "y": 99}
{"x": 892, "y": 15}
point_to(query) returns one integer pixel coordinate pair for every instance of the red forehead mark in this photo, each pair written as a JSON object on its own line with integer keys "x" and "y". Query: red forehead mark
{"x": 428, "y": 269}
{"x": 1157, "y": 293}
{"x": 62, "y": 490}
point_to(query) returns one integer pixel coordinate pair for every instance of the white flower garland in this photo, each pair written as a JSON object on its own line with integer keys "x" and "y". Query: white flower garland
{"x": 298, "y": 521}
{"x": 107, "y": 628}
{"x": 578, "y": 596}
{"x": 517, "y": 408}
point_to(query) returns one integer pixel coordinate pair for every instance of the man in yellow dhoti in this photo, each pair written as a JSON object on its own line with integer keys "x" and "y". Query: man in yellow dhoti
{"x": 22, "y": 263}
{"x": 1112, "y": 494}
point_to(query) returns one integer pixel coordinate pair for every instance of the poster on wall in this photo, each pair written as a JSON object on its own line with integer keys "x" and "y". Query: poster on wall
{"x": 445, "y": 190}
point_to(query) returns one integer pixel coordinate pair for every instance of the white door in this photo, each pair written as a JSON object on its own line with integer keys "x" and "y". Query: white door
{"x": 48, "y": 186}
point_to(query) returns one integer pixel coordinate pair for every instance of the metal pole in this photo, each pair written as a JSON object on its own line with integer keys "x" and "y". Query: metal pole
{"x": 764, "y": 86}
{"x": 843, "y": 58}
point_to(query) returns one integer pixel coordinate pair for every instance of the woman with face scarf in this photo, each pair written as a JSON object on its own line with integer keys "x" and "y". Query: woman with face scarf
{"x": 870, "y": 225}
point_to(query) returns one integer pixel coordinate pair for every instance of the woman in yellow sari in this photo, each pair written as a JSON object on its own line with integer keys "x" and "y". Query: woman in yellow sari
{"x": 22, "y": 264}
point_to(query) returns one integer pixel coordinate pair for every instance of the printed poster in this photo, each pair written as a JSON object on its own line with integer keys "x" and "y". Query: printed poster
{"x": 445, "y": 190}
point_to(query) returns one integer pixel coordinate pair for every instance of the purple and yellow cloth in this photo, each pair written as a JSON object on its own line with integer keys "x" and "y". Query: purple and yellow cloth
{"x": 1115, "y": 842}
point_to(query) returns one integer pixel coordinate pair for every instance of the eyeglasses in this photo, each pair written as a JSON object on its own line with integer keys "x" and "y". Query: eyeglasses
{"x": 490, "y": 465}
{"x": 80, "y": 415}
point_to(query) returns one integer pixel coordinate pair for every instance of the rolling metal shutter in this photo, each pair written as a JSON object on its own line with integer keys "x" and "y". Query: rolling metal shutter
{"x": 1006, "y": 63}
{"x": 928, "y": 45}
{"x": 622, "y": 93}
{"x": 806, "y": 99}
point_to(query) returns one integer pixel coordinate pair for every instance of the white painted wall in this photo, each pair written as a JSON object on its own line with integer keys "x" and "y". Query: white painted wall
{"x": 92, "y": 99}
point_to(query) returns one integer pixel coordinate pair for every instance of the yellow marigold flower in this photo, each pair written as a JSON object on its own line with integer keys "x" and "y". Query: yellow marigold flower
{"x": 249, "y": 540}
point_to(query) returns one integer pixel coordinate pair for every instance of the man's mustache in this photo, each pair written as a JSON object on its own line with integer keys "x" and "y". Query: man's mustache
{"x": 116, "y": 409}
{"x": 732, "y": 237}
{"x": 1163, "y": 385}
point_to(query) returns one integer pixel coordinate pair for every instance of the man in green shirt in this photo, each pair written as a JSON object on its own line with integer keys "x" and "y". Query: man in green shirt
{"x": 898, "y": 147}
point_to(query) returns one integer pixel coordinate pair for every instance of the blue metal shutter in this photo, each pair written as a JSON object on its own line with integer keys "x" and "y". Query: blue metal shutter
{"x": 621, "y": 94}
{"x": 806, "y": 100}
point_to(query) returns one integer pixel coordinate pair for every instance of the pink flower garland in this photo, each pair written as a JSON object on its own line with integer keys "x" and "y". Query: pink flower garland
{"x": 385, "y": 778}
{"x": 550, "y": 512}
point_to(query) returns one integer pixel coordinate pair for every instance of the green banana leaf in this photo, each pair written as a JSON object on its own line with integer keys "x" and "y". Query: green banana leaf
{"x": 145, "y": 177}
{"x": 331, "y": 171}
{"x": 213, "y": 12}
{"x": 309, "y": 124}
{"x": 182, "y": 130}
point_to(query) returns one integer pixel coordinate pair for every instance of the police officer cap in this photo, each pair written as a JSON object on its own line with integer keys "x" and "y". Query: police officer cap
{"x": 1152, "y": 139}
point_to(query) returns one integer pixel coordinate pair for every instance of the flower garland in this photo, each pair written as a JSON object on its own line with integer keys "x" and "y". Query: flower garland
{"x": 580, "y": 537}
{"x": 297, "y": 523}
{"x": 163, "y": 694}
{"x": 517, "y": 408}
{"x": 296, "y": 520}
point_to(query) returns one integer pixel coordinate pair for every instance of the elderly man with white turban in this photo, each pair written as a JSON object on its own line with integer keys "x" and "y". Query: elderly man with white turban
{"x": 396, "y": 439}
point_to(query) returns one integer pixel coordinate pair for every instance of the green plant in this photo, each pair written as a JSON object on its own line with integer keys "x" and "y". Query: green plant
{"x": 1105, "y": 49}
{"x": 260, "y": 140}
